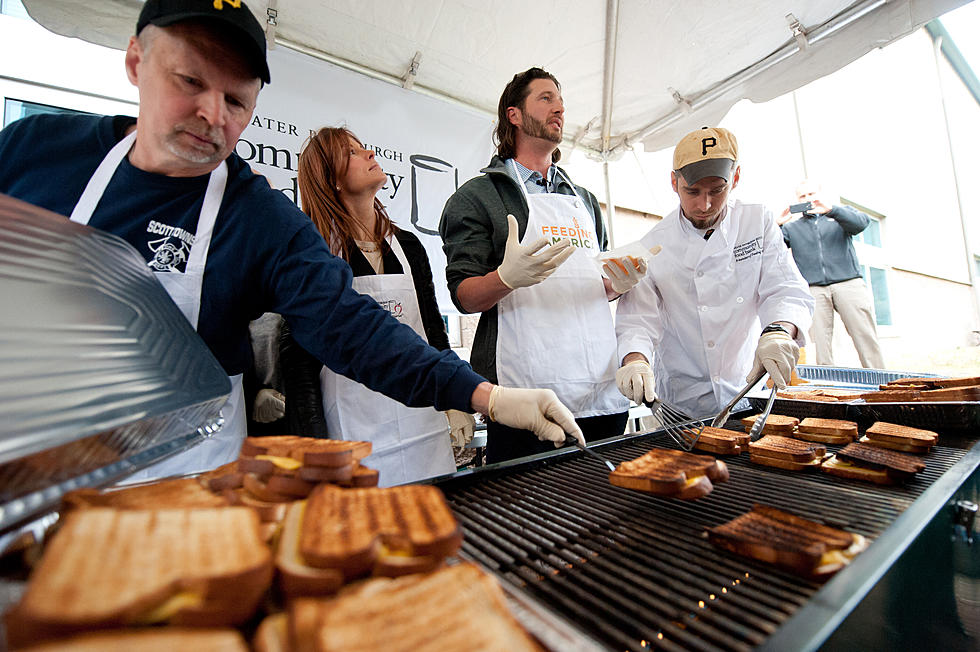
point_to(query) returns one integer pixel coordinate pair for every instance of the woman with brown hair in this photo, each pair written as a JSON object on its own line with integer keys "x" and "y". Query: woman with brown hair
{"x": 338, "y": 182}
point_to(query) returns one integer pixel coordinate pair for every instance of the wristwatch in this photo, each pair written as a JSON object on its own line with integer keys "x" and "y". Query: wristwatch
{"x": 774, "y": 328}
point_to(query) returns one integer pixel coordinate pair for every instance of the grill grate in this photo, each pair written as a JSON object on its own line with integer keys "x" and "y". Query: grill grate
{"x": 635, "y": 570}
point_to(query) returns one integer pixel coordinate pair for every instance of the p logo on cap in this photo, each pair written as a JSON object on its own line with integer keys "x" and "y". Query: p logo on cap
{"x": 706, "y": 152}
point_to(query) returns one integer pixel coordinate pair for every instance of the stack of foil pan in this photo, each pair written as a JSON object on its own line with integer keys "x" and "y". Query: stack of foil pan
{"x": 100, "y": 373}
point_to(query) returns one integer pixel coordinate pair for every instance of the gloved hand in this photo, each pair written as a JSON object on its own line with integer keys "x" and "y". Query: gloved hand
{"x": 523, "y": 266}
{"x": 624, "y": 273}
{"x": 776, "y": 353}
{"x": 635, "y": 381}
{"x": 461, "y": 426}
{"x": 537, "y": 410}
{"x": 269, "y": 406}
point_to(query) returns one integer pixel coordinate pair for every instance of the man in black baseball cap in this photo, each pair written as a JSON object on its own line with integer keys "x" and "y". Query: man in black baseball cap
{"x": 225, "y": 245}
{"x": 234, "y": 14}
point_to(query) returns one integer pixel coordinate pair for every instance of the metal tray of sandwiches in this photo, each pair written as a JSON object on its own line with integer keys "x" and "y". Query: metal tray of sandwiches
{"x": 835, "y": 393}
{"x": 100, "y": 373}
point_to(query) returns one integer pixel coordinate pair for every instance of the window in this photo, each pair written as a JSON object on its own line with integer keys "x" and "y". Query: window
{"x": 871, "y": 235}
{"x": 876, "y": 279}
{"x": 13, "y": 8}
{"x": 976, "y": 266}
{"x": 17, "y": 109}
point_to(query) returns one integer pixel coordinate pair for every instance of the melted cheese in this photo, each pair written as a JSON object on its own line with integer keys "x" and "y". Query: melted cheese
{"x": 175, "y": 603}
{"x": 287, "y": 463}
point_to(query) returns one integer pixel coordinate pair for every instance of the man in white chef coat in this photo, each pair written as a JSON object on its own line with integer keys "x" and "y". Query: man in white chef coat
{"x": 723, "y": 300}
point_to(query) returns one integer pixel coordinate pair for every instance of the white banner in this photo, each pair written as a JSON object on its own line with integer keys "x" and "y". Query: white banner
{"x": 427, "y": 147}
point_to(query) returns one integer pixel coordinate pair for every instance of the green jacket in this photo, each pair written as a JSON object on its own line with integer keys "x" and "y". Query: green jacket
{"x": 474, "y": 234}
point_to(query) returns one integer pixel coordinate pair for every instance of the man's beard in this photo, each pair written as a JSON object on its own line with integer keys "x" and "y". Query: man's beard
{"x": 198, "y": 153}
{"x": 538, "y": 129}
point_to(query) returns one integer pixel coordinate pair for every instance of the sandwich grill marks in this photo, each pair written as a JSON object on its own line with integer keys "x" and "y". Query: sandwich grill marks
{"x": 670, "y": 473}
{"x": 801, "y": 546}
{"x": 456, "y": 608}
{"x": 337, "y": 535}
{"x": 110, "y": 568}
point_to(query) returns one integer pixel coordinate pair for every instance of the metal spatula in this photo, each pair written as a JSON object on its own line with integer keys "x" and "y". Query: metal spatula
{"x": 683, "y": 429}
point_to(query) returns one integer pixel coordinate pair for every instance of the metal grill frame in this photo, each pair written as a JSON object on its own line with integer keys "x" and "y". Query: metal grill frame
{"x": 816, "y": 610}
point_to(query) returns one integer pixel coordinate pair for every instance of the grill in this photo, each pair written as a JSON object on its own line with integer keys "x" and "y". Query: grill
{"x": 635, "y": 571}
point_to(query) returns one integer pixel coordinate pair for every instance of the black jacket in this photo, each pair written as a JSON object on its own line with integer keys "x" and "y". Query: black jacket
{"x": 301, "y": 371}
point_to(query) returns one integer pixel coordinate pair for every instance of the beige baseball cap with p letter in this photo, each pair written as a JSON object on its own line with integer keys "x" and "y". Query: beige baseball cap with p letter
{"x": 706, "y": 152}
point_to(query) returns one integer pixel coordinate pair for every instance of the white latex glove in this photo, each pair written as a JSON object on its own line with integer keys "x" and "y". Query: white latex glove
{"x": 776, "y": 353}
{"x": 461, "y": 426}
{"x": 624, "y": 273}
{"x": 269, "y": 406}
{"x": 537, "y": 410}
{"x": 523, "y": 266}
{"x": 635, "y": 382}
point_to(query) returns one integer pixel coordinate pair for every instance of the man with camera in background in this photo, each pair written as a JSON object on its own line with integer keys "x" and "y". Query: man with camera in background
{"x": 820, "y": 239}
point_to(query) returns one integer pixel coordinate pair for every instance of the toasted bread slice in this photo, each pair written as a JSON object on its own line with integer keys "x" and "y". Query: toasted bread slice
{"x": 776, "y": 424}
{"x": 782, "y": 463}
{"x": 950, "y": 394}
{"x": 892, "y": 396}
{"x": 878, "y": 465}
{"x": 110, "y": 567}
{"x": 935, "y": 383}
{"x": 255, "y": 486}
{"x": 296, "y": 577}
{"x": 903, "y": 448}
{"x": 183, "y": 492}
{"x": 269, "y": 512}
{"x": 309, "y": 451}
{"x": 670, "y": 473}
{"x": 812, "y": 395}
{"x": 151, "y": 639}
{"x": 802, "y": 546}
{"x": 721, "y": 441}
{"x": 787, "y": 448}
{"x": 844, "y": 469}
{"x": 826, "y": 431}
{"x": 363, "y": 477}
{"x": 360, "y": 531}
{"x": 409, "y": 614}
{"x": 882, "y": 431}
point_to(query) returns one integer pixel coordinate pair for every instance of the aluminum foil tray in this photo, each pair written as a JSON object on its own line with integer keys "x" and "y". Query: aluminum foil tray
{"x": 100, "y": 373}
{"x": 953, "y": 415}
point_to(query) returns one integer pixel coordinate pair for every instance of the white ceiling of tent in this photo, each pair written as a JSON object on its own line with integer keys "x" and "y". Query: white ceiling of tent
{"x": 667, "y": 67}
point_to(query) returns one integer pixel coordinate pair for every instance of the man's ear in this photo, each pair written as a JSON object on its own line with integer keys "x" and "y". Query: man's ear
{"x": 514, "y": 116}
{"x": 673, "y": 180}
{"x": 738, "y": 169}
{"x": 134, "y": 54}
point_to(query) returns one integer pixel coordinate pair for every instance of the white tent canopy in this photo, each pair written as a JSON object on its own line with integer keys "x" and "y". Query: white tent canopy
{"x": 632, "y": 71}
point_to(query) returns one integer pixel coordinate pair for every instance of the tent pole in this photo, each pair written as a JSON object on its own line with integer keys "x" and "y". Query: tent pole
{"x": 608, "y": 83}
{"x": 610, "y": 207}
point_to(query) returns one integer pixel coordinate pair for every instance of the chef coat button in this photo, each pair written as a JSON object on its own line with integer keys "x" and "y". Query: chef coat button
{"x": 739, "y": 299}
{"x": 704, "y": 308}
{"x": 716, "y": 379}
{"x": 700, "y": 274}
{"x": 711, "y": 345}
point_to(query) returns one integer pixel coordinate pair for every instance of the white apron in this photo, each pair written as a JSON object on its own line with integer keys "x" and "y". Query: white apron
{"x": 559, "y": 333}
{"x": 185, "y": 290}
{"x": 408, "y": 444}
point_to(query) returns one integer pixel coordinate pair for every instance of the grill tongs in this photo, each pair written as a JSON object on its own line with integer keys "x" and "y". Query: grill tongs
{"x": 684, "y": 430}
{"x": 575, "y": 442}
{"x": 760, "y": 421}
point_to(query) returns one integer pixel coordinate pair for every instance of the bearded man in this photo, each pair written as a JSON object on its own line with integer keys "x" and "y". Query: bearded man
{"x": 520, "y": 240}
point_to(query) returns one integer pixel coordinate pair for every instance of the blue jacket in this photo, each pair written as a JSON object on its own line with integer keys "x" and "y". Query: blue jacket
{"x": 822, "y": 246}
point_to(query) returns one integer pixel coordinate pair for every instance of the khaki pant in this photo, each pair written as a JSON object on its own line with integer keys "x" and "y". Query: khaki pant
{"x": 852, "y": 301}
